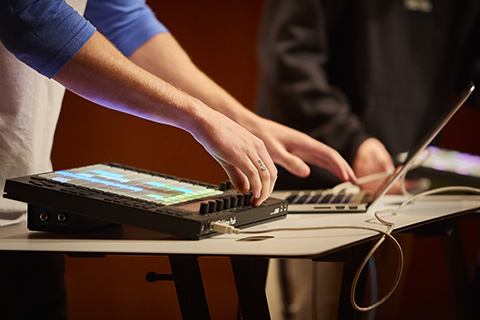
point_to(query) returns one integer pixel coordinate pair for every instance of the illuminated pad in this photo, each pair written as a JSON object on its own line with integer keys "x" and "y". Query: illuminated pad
{"x": 157, "y": 189}
{"x": 453, "y": 161}
{"x": 99, "y": 195}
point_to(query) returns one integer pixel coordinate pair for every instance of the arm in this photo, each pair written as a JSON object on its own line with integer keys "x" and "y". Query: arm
{"x": 164, "y": 57}
{"x": 103, "y": 75}
{"x": 93, "y": 68}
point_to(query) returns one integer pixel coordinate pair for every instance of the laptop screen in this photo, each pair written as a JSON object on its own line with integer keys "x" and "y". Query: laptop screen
{"x": 422, "y": 145}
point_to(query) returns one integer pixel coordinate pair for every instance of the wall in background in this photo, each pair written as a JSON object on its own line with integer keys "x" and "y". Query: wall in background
{"x": 220, "y": 37}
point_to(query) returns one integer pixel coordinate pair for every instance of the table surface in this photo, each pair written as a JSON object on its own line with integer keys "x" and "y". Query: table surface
{"x": 288, "y": 244}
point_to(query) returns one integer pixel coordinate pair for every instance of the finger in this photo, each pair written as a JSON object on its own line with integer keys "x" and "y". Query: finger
{"x": 272, "y": 170}
{"x": 331, "y": 160}
{"x": 292, "y": 163}
{"x": 260, "y": 171}
{"x": 236, "y": 176}
{"x": 259, "y": 180}
{"x": 268, "y": 174}
{"x": 316, "y": 153}
{"x": 249, "y": 170}
{"x": 258, "y": 175}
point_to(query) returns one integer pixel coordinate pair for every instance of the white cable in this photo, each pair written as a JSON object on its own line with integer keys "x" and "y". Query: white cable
{"x": 384, "y": 174}
{"x": 226, "y": 229}
{"x": 373, "y": 177}
{"x": 438, "y": 190}
{"x": 347, "y": 184}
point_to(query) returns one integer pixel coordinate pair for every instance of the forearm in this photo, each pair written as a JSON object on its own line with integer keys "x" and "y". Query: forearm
{"x": 164, "y": 57}
{"x": 100, "y": 73}
{"x": 171, "y": 63}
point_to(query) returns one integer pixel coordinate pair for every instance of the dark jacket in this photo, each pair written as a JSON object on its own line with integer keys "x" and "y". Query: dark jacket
{"x": 343, "y": 70}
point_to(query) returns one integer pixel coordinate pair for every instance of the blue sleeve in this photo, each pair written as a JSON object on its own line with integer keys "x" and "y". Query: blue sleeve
{"x": 126, "y": 23}
{"x": 44, "y": 34}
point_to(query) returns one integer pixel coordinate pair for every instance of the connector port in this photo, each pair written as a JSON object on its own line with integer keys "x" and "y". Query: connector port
{"x": 61, "y": 217}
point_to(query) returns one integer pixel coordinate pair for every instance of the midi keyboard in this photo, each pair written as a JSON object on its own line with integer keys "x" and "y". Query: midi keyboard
{"x": 93, "y": 196}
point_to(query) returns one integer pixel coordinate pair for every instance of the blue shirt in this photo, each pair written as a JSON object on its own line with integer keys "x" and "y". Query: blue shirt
{"x": 46, "y": 34}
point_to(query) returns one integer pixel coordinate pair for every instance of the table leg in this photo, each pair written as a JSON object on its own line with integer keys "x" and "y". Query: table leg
{"x": 250, "y": 276}
{"x": 351, "y": 262}
{"x": 450, "y": 231}
{"x": 189, "y": 286}
{"x": 457, "y": 268}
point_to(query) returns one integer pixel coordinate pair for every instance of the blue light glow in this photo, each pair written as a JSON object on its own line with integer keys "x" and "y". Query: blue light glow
{"x": 156, "y": 184}
{"x": 132, "y": 184}
{"x": 105, "y": 182}
{"x": 155, "y": 196}
{"x": 184, "y": 190}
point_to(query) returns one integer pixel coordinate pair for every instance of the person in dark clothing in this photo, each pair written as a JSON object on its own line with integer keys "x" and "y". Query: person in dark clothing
{"x": 366, "y": 78}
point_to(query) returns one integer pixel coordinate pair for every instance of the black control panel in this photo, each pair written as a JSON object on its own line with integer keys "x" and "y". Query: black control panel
{"x": 103, "y": 194}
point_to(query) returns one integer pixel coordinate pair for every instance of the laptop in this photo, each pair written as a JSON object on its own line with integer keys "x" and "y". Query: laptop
{"x": 351, "y": 199}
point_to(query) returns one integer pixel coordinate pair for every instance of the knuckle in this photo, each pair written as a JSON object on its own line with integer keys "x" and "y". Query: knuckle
{"x": 259, "y": 144}
{"x": 251, "y": 171}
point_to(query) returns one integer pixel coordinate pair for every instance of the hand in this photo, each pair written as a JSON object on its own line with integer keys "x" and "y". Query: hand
{"x": 288, "y": 147}
{"x": 371, "y": 158}
{"x": 292, "y": 149}
{"x": 101, "y": 74}
{"x": 241, "y": 154}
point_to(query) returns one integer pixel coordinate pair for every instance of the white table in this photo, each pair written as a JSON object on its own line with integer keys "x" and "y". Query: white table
{"x": 243, "y": 254}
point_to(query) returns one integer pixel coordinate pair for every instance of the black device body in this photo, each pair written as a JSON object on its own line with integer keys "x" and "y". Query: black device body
{"x": 60, "y": 206}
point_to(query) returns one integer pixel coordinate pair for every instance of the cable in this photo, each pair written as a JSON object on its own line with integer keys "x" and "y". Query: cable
{"x": 226, "y": 229}
{"x": 365, "y": 179}
{"x": 439, "y": 190}
{"x": 384, "y": 174}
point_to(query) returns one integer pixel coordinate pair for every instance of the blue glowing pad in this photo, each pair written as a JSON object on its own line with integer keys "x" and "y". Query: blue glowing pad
{"x": 158, "y": 189}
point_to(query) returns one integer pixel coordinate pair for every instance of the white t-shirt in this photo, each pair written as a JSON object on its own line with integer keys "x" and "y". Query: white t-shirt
{"x": 29, "y": 109}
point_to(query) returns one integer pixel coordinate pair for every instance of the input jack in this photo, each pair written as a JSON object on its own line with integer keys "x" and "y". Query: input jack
{"x": 61, "y": 217}
{"x": 43, "y": 216}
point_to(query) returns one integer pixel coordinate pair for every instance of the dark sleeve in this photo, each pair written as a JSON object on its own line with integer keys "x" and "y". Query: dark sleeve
{"x": 294, "y": 84}
{"x": 43, "y": 34}
{"x": 470, "y": 69}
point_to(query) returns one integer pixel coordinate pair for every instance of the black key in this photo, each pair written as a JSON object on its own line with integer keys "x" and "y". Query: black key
{"x": 291, "y": 199}
{"x": 302, "y": 199}
{"x": 315, "y": 198}
{"x": 327, "y": 198}
{"x": 338, "y": 198}
{"x": 348, "y": 198}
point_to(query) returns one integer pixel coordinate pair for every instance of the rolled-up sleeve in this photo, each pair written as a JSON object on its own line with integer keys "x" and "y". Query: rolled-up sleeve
{"x": 126, "y": 23}
{"x": 44, "y": 34}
